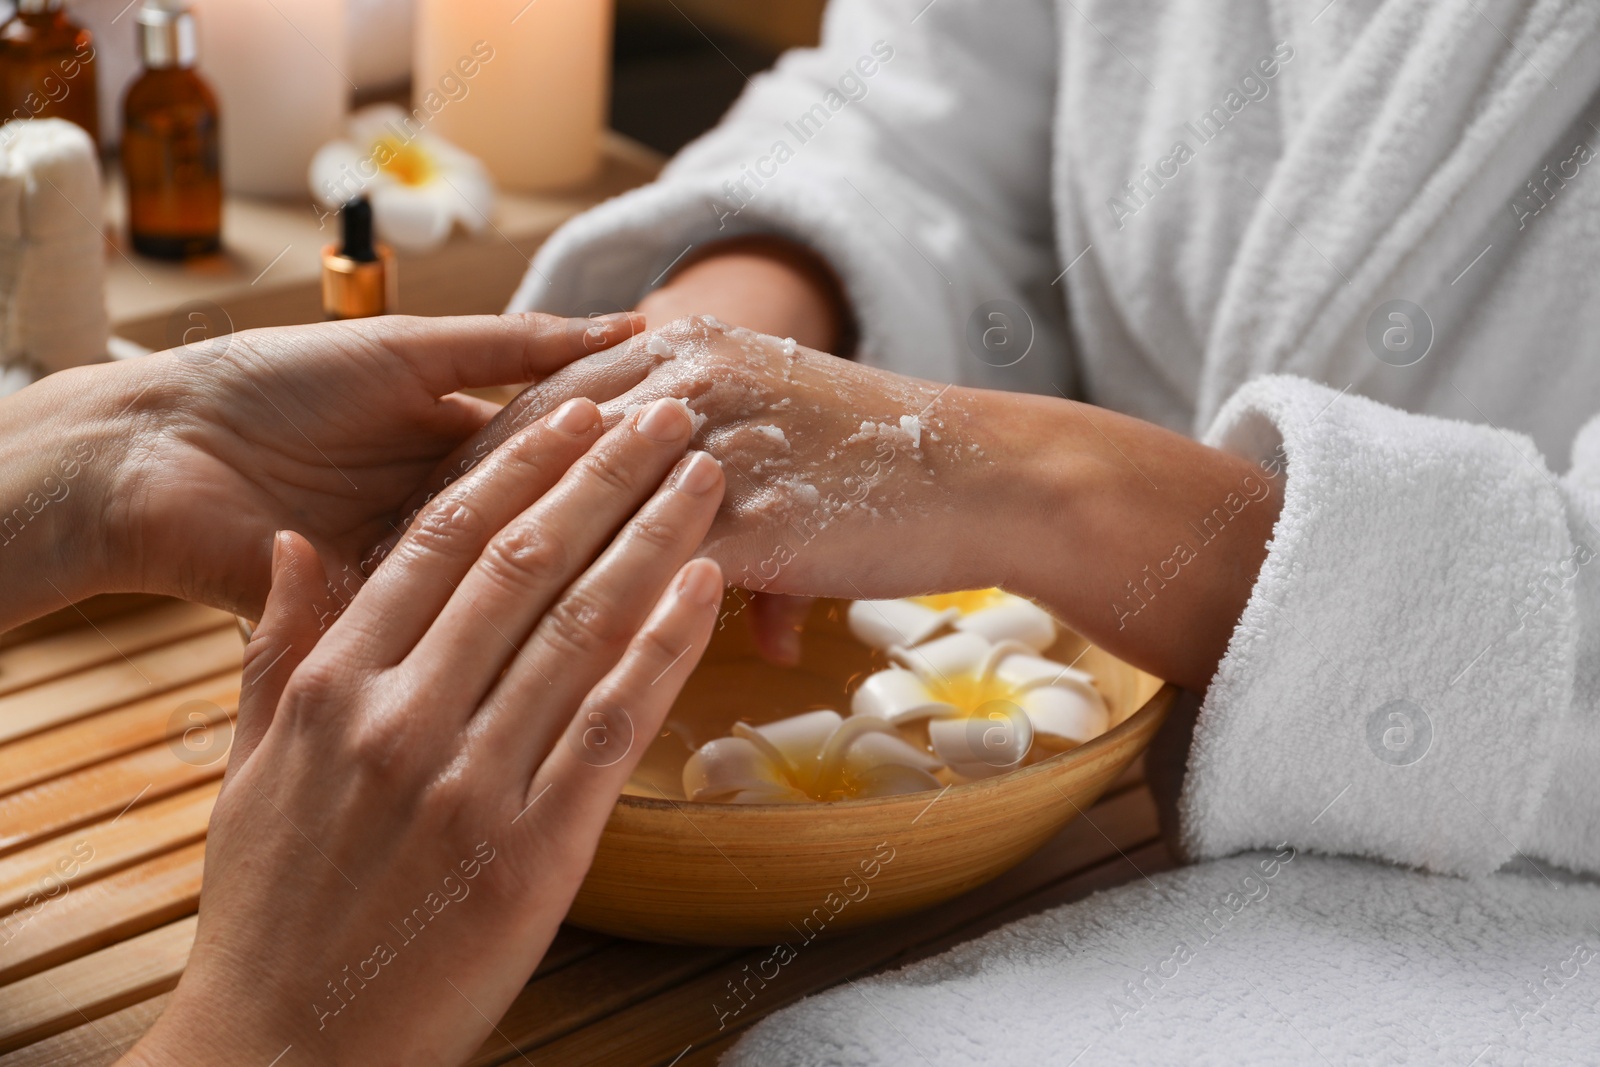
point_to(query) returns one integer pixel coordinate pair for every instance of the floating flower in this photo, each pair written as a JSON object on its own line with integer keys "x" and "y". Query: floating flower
{"x": 815, "y": 756}
{"x": 420, "y": 185}
{"x": 993, "y": 614}
{"x": 984, "y": 702}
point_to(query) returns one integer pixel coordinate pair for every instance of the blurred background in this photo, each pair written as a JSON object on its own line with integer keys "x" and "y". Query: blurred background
{"x": 678, "y": 63}
{"x": 671, "y": 82}
{"x": 227, "y": 164}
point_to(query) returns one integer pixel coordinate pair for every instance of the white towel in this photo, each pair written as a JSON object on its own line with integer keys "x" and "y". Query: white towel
{"x": 52, "y": 248}
{"x": 1325, "y": 961}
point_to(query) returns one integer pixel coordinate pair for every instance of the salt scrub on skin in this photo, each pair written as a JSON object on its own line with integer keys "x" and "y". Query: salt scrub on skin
{"x": 696, "y": 419}
{"x": 984, "y": 703}
{"x": 775, "y": 433}
{"x": 813, "y": 445}
{"x": 818, "y": 756}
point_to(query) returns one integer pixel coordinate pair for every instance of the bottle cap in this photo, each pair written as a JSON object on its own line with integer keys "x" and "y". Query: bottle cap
{"x": 34, "y": 7}
{"x": 167, "y": 35}
{"x": 358, "y": 275}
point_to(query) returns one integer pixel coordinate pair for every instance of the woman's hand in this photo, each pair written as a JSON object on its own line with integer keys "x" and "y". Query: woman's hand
{"x": 196, "y": 456}
{"x": 849, "y": 481}
{"x": 414, "y": 798}
{"x": 827, "y": 461}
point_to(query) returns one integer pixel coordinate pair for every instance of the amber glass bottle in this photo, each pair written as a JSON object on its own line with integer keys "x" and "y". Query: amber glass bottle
{"x": 47, "y": 67}
{"x": 171, "y": 155}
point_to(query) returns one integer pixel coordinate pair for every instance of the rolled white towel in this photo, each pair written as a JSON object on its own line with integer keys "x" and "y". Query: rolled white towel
{"x": 52, "y": 249}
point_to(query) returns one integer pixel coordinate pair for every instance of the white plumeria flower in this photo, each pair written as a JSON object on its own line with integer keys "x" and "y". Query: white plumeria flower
{"x": 984, "y": 702}
{"x": 420, "y": 185}
{"x": 815, "y": 756}
{"x": 990, "y": 613}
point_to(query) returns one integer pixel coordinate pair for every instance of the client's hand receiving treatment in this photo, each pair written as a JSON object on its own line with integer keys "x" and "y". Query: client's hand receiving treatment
{"x": 413, "y": 799}
{"x": 849, "y": 481}
{"x": 826, "y": 460}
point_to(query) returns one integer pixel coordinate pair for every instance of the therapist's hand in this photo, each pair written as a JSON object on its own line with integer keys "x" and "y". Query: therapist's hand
{"x": 413, "y": 798}
{"x": 187, "y": 461}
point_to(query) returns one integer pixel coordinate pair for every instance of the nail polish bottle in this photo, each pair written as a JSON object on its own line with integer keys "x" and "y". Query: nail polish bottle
{"x": 47, "y": 67}
{"x": 359, "y": 278}
{"x": 171, "y": 151}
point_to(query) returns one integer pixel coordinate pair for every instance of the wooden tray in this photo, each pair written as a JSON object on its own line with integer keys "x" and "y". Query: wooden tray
{"x": 112, "y": 717}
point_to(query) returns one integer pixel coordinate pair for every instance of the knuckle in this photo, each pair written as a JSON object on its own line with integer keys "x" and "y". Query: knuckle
{"x": 526, "y": 555}
{"x": 525, "y": 450}
{"x": 652, "y": 532}
{"x": 444, "y": 526}
{"x": 656, "y": 645}
{"x": 609, "y": 471}
{"x": 381, "y": 748}
{"x": 318, "y": 681}
{"x": 582, "y": 625}
{"x": 453, "y": 798}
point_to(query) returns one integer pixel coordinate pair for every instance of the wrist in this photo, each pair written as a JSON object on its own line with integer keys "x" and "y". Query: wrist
{"x": 61, "y": 525}
{"x": 766, "y": 284}
{"x": 1144, "y": 541}
{"x": 1021, "y": 485}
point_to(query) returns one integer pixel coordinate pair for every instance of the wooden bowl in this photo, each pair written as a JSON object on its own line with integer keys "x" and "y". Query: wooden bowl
{"x": 668, "y": 869}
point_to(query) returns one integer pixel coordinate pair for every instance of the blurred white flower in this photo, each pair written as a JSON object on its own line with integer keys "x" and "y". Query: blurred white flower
{"x": 990, "y": 613}
{"x": 420, "y": 185}
{"x": 809, "y": 757}
{"x": 984, "y": 702}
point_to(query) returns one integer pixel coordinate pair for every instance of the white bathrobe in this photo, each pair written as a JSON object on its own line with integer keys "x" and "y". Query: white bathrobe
{"x": 1360, "y": 238}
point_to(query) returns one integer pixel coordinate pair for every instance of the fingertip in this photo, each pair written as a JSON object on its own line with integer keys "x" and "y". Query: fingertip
{"x": 699, "y": 582}
{"x": 282, "y": 545}
{"x": 775, "y": 622}
{"x": 603, "y": 331}
{"x": 576, "y": 417}
{"x": 290, "y": 554}
{"x": 631, "y": 321}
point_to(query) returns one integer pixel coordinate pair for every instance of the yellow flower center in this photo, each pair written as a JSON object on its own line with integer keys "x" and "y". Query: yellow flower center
{"x": 404, "y": 161}
{"x": 826, "y": 776}
{"x": 968, "y": 602}
{"x": 971, "y": 692}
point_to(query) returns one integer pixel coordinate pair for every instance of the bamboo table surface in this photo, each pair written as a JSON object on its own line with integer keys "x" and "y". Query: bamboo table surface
{"x": 113, "y": 729}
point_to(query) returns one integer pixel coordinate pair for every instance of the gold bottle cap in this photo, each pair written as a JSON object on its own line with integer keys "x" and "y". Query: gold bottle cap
{"x": 353, "y": 289}
{"x": 167, "y": 35}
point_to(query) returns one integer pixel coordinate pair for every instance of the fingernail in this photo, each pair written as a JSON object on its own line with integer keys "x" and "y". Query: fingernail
{"x": 701, "y": 583}
{"x": 786, "y": 643}
{"x": 697, "y": 474}
{"x": 666, "y": 420}
{"x": 575, "y": 417}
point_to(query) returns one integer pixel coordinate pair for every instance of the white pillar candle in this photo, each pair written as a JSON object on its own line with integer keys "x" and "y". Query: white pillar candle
{"x": 534, "y": 110}
{"x": 280, "y": 69}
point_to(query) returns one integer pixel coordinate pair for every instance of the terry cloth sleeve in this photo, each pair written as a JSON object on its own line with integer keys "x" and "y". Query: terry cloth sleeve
{"x": 911, "y": 150}
{"x": 1416, "y": 676}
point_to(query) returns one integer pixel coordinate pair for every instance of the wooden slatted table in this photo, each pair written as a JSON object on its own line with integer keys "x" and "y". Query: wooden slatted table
{"x": 113, "y": 722}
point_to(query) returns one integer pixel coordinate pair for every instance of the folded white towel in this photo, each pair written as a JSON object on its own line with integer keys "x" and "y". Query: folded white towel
{"x": 1258, "y": 959}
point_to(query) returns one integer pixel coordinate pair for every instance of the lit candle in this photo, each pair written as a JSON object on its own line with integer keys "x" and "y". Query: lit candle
{"x": 279, "y": 69}
{"x": 521, "y": 84}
